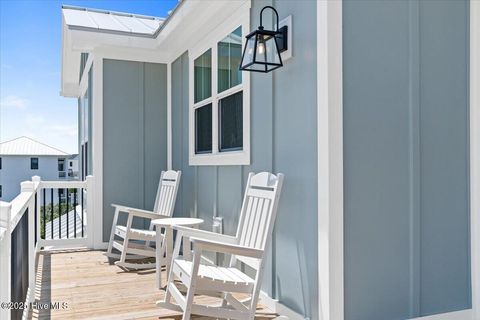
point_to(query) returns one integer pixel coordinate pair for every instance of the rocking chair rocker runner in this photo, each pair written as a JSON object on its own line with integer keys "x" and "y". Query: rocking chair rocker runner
{"x": 254, "y": 232}
{"x": 163, "y": 208}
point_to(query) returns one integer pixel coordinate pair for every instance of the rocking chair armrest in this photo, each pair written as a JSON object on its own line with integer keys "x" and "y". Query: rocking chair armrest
{"x": 202, "y": 234}
{"x": 145, "y": 214}
{"x": 222, "y": 247}
{"x": 121, "y": 208}
{"x": 138, "y": 212}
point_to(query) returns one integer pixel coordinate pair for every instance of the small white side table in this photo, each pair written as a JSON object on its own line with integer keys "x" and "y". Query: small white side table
{"x": 167, "y": 245}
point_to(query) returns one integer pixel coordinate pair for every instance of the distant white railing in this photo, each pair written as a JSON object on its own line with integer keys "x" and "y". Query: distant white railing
{"x": 23, "y": 232}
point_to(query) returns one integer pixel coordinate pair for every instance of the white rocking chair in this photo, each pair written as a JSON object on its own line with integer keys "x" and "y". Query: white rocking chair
{"x": 254, "y": 232}
{"x": 163, "y": 208}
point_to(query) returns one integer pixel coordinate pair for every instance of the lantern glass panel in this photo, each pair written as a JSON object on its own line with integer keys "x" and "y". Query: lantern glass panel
{"x": 249, "y": 50}
{"x": 267, "y": 51}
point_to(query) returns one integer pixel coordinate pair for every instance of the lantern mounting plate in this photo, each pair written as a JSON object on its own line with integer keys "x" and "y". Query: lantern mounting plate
{"x": 282, "y": 38}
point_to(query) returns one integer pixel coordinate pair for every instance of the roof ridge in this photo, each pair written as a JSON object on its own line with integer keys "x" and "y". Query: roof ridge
{"x": 36, "y": 141}
{"x": 13, "y": 139}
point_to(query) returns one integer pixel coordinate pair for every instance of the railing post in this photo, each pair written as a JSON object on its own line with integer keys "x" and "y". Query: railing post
{"x": 37, "y": 181}
{"x": 31, "y": 186}
{"x": 92, "y": 236}
{"x": 5, "y": 258}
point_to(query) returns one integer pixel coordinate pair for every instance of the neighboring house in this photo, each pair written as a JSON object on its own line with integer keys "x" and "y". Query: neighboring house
{"x": 369, "y": 120}
{"x": 72, "y": 164}
{"x": 22, "y": 158}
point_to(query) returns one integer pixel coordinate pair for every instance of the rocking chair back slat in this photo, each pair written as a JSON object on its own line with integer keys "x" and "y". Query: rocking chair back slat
{"x": 167, "y": 192}
{"x": 258, "y": 212}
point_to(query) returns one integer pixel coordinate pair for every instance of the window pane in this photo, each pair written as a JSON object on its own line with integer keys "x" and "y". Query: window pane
{"x": 203, "y": 76}
{"x": 34, "y": 163}
{"x": 231, "y": 122}
{"x": 229, "y": 56}
{"x": 61, "y": 164}
{"x": 203, "y": 129}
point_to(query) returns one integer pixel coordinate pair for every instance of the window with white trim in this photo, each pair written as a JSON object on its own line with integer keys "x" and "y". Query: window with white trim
{"x": 219, "y": 117}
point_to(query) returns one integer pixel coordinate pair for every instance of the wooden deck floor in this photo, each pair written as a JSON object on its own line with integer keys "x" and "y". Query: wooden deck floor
{"x": 92, "y": 288}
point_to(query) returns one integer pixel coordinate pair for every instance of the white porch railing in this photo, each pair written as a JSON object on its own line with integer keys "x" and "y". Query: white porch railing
{"x": 24, "y": 231}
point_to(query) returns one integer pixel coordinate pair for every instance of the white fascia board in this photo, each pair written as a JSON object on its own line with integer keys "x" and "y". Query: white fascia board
{"x": 70, "y": 65}
{"x": 74, "y": 42}
{"x": 193, "y": 21}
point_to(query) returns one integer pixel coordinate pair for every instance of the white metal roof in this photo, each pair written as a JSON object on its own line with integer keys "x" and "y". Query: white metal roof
{"x": 110, "y": 21}
{"x": 28, "y": 146}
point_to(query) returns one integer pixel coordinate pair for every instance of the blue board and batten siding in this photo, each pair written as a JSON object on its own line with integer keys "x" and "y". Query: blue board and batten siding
{"x": 134, "y": 134}
{"x": 283, "y": 139}
{"x": 405, "y": 150}
{"x": 406, "y": 166}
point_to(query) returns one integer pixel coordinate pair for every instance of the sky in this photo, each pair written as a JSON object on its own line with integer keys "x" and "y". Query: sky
{"x": 30, "y": 51}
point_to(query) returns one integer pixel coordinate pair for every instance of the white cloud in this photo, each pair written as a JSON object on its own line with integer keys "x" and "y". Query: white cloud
{"x": 62, "y": 130}
{"x": 32, "y": 119}
{"x": 14, "y": 102}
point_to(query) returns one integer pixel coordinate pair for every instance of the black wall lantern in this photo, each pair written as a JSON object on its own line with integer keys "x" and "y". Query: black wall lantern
{"x": 263, "y": 47}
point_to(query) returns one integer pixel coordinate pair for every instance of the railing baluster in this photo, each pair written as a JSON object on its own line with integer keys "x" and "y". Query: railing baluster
{"x": 59, "y": 215}
{"x": 44, "y": 198}
{"x": 81, "y": 195}
{"x": 51, "y": 212}
{"x": 68, "y": 212}
{"x": 75, "y": 213}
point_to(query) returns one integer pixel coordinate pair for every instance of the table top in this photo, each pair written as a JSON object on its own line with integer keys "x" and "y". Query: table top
{"x": 166, "y": 222}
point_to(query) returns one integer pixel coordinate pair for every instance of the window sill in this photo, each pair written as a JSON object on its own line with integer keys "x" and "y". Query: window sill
{"x": 232, "y": 158}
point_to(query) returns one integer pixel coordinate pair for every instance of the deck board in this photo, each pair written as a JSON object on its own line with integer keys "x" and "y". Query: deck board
{"x": 93, "y": 288}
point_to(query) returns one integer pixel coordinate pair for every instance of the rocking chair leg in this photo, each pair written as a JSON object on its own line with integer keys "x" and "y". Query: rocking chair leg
{"x": 193, "y": 283}
{"x": 125, "y": 240}
{"x": 112, "y": 233}
{"x": 123, "y": 256}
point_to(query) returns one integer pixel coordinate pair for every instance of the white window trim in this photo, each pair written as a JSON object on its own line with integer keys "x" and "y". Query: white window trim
{"x": 241, "y": 157}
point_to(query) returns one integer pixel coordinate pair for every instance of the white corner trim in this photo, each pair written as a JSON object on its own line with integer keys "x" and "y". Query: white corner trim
{"x": 97, "y": 150}
{"x": 84, "y": 80}
{"x": 169, "y": 116}
{"x": 475, "y": 154}
{"x": 330, "y": 160}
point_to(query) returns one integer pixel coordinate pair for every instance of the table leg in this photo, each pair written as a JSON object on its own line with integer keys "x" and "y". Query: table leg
{"x": 169, "y": 248}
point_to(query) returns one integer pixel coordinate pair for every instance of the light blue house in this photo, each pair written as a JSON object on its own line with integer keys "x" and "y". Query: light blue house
{"x": 23, "y": 157}
{"x": 374, "y": 119}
